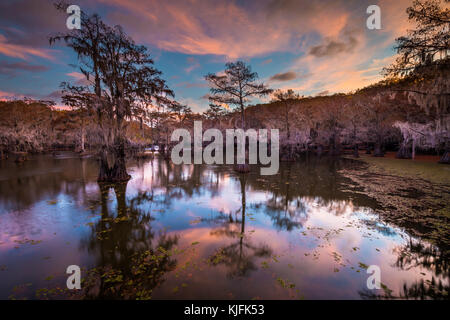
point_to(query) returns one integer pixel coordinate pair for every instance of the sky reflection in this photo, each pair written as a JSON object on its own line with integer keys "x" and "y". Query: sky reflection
{"x": 294, "y": 235}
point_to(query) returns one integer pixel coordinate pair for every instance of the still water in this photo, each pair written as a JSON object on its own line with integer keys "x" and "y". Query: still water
{"x": 300, "y": 234}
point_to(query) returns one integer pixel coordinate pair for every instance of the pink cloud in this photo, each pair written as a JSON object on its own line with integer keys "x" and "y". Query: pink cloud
{"x": 223, "y": 28}
{"x": 23, "y": 52}
{"x": 348, "y": 56}
{"x": 80, "y": 78}
{"x": 76, "y": 75}
{"x": 346, "y": 67}
{"x": 193, "y": 64}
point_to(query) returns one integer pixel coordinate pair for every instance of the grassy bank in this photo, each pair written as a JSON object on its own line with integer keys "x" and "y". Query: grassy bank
{"x": 414, "y": 195}
{"x": 426, "y": 168}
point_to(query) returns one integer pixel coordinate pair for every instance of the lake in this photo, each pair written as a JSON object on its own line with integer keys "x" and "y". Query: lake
{"x": 202, "y": 232}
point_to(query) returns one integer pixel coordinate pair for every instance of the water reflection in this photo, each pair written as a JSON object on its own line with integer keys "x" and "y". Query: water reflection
{"x": 240, "y": 257}
{"x": 123, "y": 243}
{"x": 415, "y": 254}
{"x": 203, "y": 232}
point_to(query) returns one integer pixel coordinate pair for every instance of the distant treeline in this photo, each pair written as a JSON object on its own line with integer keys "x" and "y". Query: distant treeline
{"x": 34, "y": 126}
{"x": 404, "y": 115}
{"x": 407, "y": 114}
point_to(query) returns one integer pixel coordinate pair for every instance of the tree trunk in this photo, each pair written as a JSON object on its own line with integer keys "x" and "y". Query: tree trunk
{"x": 334, "y": 146}
{"x": 21, "y": 157}
{"x": 446, "y": 156}
{"x": 112, "y": 165}
{"x": 83, "y": 138}
{"x": 288, "y": 131}
{"x": 378, "y": 152}
{"x": 242, "y": 117}
{"x": 243, "y": 168}
{"x": 413, "y": 151}
{"x": 403, "y": 152}
{"x": 287, "y": 152}
{"x": 355, "y": 151}
{"x": 319, "y": 150}
{"x": 368, "y": 151}
{"x": 167, "y": 146}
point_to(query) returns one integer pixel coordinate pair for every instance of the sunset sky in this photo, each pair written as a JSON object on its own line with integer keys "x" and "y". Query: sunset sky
{"x": 313, "y": 47}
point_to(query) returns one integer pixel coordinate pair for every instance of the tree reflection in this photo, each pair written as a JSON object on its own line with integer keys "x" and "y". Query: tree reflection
{"x": 131, "y": 259}
{"x": 418, "y": 254}
{"x": 44, "y": 177}
{"x": 240, "y": 256}
{"x": 285, "y": 209}
{"x": 298, "y": 186}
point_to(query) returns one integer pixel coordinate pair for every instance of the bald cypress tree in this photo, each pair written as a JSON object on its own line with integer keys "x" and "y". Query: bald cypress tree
{"x": 235, "y": 88}
{"x": 120, "y": 85}
{"x": 423, "y": 65}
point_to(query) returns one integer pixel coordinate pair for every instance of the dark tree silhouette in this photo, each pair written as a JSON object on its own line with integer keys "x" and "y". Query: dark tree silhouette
{"x": 235, "y": 88}
{"x": 132, "y": 259}
{"x": 428, "y": 42}
{"x": 216, "y": 113}
{"x": 424, "y": 57}
{"x": 121, "y": 84}
{"x": 239, "y": 256}
{"x": 180, "y": 112}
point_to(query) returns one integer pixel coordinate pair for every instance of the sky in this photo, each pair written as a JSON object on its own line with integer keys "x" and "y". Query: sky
{"x": 314, "y": 47}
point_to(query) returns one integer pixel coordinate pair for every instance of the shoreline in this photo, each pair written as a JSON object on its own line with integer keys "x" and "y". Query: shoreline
{"x": 416, "y": 202}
